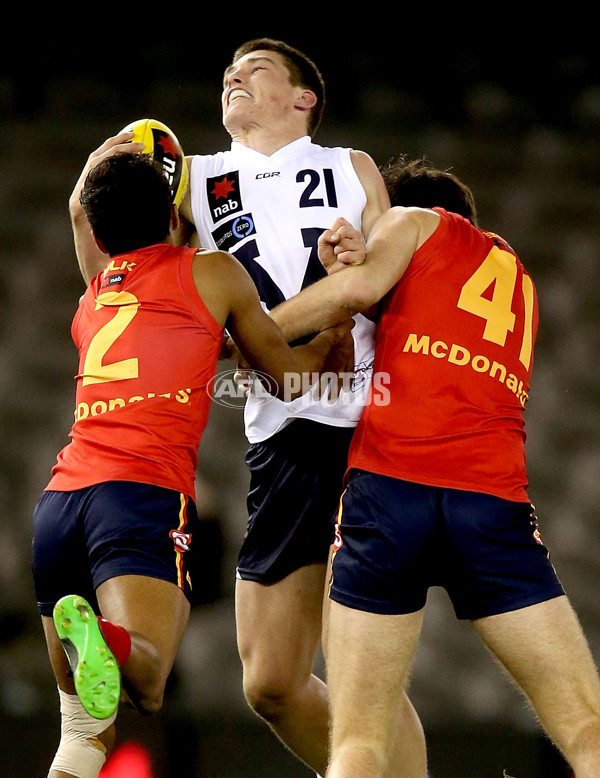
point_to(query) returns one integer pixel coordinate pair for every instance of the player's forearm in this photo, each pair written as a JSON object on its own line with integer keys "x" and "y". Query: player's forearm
{"x": 308, "y": 360}
{"x": 89, "y": 257}
{"x": 324, "y": 304}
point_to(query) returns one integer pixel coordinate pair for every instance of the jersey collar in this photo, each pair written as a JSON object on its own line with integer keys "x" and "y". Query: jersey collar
{"x": 289, "y": 151}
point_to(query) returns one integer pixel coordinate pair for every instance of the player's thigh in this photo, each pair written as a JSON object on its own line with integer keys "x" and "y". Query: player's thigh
{"x": 156, "y": 609}
{"x": 368, "y": 662}
{"x": 544, "y": 649}
{"x": 326, "y": 606}
{"x": 279, "y": 625}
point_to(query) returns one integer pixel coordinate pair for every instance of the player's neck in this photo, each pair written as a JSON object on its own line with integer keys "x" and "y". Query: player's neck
{"x": 266, "y": 142}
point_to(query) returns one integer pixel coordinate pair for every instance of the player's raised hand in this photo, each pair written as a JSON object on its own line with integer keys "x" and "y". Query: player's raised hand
{"x": 91, "y": 260}
{"x": 113, "y": 145}
{"x": 341, "y": 245}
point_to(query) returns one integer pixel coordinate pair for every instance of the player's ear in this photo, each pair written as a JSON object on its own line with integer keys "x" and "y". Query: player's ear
{"x": 306, "y": 100}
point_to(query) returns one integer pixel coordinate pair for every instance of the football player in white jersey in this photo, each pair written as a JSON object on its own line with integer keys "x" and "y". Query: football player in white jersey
{"x": 266, "y": 200}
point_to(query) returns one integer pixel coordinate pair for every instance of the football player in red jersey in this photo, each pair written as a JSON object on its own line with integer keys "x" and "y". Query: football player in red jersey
{"x": 114, "y": 530}
{"x": 436, "y": 484}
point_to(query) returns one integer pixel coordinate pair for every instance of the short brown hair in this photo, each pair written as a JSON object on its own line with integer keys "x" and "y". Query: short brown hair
{"x": 127, "y": 201}
{"x": 418, "y": 183}
{"x": 303, "y": 72}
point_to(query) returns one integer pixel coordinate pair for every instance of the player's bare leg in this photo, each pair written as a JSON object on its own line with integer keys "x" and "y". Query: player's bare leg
{"x": 544, "y": 649}
{"x": 155, "y": 613}
{"x": 155, "y": 633}
{"x": 410, "y": 749}
{"x": 278, "y": 633}
{"x": 368, "y": 661}
{"x": 409, "y": 756}
{"x": 90, "y": 747}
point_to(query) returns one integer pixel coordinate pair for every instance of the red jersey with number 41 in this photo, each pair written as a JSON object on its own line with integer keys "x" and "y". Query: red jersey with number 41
{"x": 148, "y": 347}
{"x": 453, "y": 360}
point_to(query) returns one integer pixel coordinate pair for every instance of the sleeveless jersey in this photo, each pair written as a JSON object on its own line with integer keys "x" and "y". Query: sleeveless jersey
{"x": 147, "y": 348}
{"x": 453, "y": 360}
{"x": 268, "y": 211}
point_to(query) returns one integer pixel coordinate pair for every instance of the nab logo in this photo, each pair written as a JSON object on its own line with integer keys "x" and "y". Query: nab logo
{"x": 224, "y": 197}
{"x": 113, "y": 280}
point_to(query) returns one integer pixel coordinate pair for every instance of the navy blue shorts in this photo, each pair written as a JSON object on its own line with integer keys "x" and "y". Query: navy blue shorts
{"x": 296, "y": 480}
{"x": 84, "y": 537}
{"x": 395, "y": 539}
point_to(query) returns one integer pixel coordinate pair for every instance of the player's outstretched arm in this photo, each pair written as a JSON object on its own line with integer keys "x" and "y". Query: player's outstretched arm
{"x": 340, "y": 246}
{"x": 230, "y": 295}
{"x": 91, "y": 260}
{"x": 398, "y": 233}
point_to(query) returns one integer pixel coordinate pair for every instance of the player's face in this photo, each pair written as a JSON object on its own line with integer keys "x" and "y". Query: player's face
{"x": 257, "y": 91}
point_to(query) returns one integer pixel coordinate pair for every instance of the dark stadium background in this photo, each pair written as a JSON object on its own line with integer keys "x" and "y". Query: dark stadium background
{"x": 514, "y": 110}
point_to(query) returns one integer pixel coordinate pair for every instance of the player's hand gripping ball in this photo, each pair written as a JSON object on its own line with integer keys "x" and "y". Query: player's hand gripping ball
{"x": 162, "y": 144}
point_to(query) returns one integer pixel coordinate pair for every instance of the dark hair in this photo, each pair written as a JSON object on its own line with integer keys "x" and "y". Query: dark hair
{"x": 420, "y": 184}
{"x": 127, "y": 200}
{"x": 303, "y": 72}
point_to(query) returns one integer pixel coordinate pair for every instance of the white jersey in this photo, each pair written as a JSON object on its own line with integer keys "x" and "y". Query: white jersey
{"x": 268, "y": 211}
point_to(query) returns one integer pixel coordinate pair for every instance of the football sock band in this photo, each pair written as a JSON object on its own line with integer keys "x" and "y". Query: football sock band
{"x": 117, "y": 638}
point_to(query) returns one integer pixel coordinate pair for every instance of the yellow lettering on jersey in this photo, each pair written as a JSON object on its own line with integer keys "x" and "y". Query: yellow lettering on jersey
{"x": 94, "y": 370}
{"x": 461, "y": 356}
{"x": 499, "y": 272}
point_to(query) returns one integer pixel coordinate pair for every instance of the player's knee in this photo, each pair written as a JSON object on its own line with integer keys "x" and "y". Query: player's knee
{"x": 269, "y": 704}
{"x": 581, "y": 743}
{"x": 270, "y": 696}
{"x": 363, "y": 757}
{"x": 147, "y": 697}
{"x": 84, "y": 741}
{"x": 150, "y": 703}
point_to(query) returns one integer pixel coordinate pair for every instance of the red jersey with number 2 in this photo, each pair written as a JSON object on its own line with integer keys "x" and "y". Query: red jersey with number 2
{"x": 148, "y": 347}
{"x": 453, "y": 360}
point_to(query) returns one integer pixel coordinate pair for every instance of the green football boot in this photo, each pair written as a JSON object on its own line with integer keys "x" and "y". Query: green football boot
{"x": 95, "y": 670}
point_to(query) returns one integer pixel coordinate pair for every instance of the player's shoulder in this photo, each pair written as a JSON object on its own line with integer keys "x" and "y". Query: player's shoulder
{"x": 220, "y": 264}
{"x": 202, "y": 162}
{"x": 401, "y": 214}
{"x": 212, "y": 267}
{"x": 343, "y": 152}
{"x": 208, "y": 257}
{"x": 360, "y": 159}
{"x": 402, "y": 220}
{"x": 221, "y": 281}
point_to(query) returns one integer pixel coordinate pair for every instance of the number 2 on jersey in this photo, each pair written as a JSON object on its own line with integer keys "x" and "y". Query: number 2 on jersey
{"x": 94, "y": 370}
{"x": 500, "y": 269}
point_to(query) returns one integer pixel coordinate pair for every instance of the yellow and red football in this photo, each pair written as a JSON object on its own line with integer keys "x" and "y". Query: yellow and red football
{"x": 162, "y": 143}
